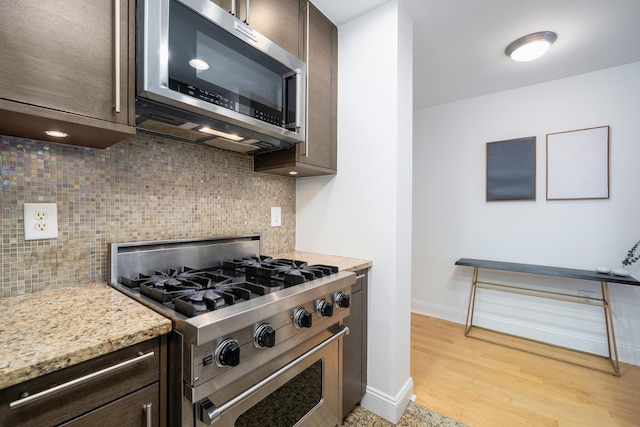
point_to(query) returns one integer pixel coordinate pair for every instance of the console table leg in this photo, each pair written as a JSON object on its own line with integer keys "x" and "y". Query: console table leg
{"x": 472, "y": 302}
{"x": 611, "y": 336}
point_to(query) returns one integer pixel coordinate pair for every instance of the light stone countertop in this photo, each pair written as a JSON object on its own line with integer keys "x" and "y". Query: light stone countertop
{"x": 343, "y": 263}
{"x": 49, "y": 330}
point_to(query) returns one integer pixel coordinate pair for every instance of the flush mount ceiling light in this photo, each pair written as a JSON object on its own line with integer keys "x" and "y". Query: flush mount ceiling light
{"x": 531, "y": 46}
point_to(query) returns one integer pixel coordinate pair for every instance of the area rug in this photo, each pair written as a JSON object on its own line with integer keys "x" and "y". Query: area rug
{"x": 414, "y": 416}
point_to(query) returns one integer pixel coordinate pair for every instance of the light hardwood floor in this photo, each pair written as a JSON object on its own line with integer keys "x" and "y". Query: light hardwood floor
{"x": 484, "y": 384}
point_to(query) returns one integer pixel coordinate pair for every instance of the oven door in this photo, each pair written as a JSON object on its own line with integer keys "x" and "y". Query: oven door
{"x": 302, "y": 387}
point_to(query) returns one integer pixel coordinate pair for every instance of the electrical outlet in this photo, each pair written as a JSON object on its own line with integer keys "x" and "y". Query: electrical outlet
{"x": 276, "y": 216}
{"x": 40, "y": 221}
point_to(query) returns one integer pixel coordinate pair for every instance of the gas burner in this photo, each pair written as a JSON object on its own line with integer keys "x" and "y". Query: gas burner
{"x": 183, "y": 277}
{"x": 199, "y": 302}
{"x": 165, "y": 287}
{"x": 298, "y": 275}
{"x": 277, "y": 269}
{"x": 221, "y": 296}
{"x": 291, "y": 272}
{"x": 192, "y": 291}
{"x": 288, "y": 262}
{"x": 241, "y": 264}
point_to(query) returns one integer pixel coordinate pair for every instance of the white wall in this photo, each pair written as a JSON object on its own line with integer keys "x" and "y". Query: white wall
{"x": 365, "y": 211}
{"x": 451, "y": 218}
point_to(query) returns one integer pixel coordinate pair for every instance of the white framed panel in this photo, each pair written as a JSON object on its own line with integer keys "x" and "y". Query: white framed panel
{"x": 578, "y": 164}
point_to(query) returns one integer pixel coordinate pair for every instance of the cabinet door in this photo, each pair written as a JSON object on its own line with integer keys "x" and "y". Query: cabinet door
{"x": 320, "y": 148}
{"x": 318, "y": 154}
{"x": 61, "y": 55}
{"x": 278, "y": 20}
{"x": 133, "y": 410}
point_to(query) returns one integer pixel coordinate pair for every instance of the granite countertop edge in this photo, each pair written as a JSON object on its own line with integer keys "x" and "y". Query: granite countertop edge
{"x": 68, "y": 326}
{"x": 75, "y": 324}
{"x": 343, "y": 263}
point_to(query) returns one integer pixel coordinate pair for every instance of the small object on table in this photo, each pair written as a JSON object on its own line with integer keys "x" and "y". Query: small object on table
{"x": 620, "y": 272}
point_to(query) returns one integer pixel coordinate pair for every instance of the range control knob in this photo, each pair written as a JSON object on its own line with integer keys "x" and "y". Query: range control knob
{"x": 264, "y": 336}
{"x": 228, "y": 353}
{"x": 302, "y": 318}
{"x": 324, "y": 308}
{"x": 342, "y": 300}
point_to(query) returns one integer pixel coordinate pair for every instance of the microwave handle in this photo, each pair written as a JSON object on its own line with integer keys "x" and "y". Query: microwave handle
{"x": 295, "y": 74}
{"x": 299, "y": 93}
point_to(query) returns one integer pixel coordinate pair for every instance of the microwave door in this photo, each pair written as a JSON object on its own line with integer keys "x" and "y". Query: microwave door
{"x": 193, "y": 57}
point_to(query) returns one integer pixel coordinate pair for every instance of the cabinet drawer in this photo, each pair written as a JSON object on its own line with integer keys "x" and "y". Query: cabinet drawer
{"x": 129, "y": 411}
{"x": 76, "y": 390}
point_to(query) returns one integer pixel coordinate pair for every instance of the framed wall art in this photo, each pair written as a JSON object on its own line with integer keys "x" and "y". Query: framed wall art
{"x": 578, "y": 164}
{"x": 511, "y": 169}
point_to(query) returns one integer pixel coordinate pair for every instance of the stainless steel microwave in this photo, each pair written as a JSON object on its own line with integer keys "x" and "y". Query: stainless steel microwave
{"x": 205, "y": 76}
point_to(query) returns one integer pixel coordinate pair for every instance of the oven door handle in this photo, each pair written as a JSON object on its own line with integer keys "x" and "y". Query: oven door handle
{"x": 210, "y": 413}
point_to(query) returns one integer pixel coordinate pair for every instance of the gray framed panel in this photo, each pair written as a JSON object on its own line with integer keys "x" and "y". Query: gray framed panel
{"x": 511, "y": 169}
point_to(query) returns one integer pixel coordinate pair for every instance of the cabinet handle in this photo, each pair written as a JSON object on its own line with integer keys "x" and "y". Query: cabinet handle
{"x": 233, "y": 8}
{"x": 147, "y": 414}
{"x": 246, "y": 19}
{"x": 306, "y": 61}
{"x": 53, "y": 390}
{"x": 116, "y": 53}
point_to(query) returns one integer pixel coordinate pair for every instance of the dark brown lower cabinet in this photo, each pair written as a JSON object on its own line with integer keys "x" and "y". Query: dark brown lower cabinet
{"x": 354, "y": 376}
{"x": 135, "y": 410}
{"x": 123, "y": 388}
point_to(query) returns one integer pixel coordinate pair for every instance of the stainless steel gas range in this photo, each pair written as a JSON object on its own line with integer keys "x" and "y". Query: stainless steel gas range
{"x": 256, "y": 341}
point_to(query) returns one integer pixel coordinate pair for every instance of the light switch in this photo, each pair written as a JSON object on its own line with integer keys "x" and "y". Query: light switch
{"x": 40, "y": 221}
{"x": 276, "y": 216}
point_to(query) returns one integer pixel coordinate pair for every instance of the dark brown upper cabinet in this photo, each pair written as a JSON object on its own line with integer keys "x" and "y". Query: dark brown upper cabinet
{"x": 318, "y": 154}
{"x": 68, "y": 65}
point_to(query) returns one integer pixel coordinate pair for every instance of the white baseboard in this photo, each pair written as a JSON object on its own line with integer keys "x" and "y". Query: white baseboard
{"x": 438, "y": 311}
{"x": 566, "y": 338}
{"x": 388, "y": 407}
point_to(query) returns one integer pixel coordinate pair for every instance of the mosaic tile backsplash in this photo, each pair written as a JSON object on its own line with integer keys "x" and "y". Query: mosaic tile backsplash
{"x": 143, "y": 188}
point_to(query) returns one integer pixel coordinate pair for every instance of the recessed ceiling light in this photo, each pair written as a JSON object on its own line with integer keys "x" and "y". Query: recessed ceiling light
{"x": 531, "y": 46}
{"x": 56, "y": 133}
{"x": 293, "y": 173}
{"x": 198, "y": 64}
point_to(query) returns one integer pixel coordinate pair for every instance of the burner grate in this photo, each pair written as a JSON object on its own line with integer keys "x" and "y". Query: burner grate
{"x": 195, "y": 291}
